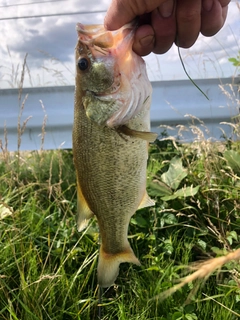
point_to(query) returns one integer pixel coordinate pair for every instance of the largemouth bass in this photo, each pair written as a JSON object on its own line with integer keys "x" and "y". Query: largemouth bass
{"x": 110, "y": 139}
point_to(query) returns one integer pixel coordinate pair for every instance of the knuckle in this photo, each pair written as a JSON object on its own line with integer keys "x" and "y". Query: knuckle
{"x": 141, "y": 6}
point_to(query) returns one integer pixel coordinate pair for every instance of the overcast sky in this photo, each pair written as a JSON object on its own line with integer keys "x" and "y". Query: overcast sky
{"x": 50, "y": 41}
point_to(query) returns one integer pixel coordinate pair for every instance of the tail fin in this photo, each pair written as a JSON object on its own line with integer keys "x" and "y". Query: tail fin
{"x": 108, "y": 265}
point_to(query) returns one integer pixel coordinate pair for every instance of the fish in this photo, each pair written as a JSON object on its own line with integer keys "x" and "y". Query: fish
{"x": 111, "y": 134}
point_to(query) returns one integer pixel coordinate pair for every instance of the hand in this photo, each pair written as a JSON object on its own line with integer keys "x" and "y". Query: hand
{"x": 163, "y": 22}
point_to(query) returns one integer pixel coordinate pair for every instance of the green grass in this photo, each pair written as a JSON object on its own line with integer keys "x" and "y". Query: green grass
{"x": 48, "y": 269}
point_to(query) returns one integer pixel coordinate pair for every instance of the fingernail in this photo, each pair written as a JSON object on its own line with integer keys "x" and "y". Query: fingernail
{"x": 207, "y": 5}
{"x": 166, "y": 9}
{"x": 146, "y": 41}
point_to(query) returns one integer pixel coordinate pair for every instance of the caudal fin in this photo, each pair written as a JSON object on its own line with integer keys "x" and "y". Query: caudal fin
{"x": 108, "y": 265}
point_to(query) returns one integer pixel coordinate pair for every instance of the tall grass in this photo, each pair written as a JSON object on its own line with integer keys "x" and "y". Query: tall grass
{"x": 188, "y": 243}
{"x": 48, "y": 269}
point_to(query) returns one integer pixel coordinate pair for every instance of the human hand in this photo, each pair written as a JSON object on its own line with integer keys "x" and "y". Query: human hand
{"x": 163, "y": 22}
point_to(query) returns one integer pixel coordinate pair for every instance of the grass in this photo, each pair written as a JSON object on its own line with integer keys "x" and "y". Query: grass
{"x": 48, "y": 269}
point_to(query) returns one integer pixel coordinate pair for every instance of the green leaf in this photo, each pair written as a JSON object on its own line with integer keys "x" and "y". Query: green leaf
{"x": 168, "y": 248}
{"x": 233, "y": 235}
{"x": 177, "y": 316}
{"x": 202, "y": 244}
{"x": 219, "y": 252}
{"x": 229, "y": 239}
{"x": 234, "y": 61}
{"x": 190, "y": 316}
{"x": 233, "y": 160}
{"x": 169, "y": 218}
{"x": 189, "y": 308}
{"x": 175, "y": 174}
{"x": 159, "y": 188}
{"x": 139, "y": 221}
{"x": 182, "y": 193}
{"x": 153, "y": 268}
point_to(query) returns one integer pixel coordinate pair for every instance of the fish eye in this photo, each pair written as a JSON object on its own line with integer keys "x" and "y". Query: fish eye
{"x": 83, "y": 64}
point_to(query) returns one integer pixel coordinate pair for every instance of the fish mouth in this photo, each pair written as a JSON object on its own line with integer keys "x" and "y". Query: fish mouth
{"x": 107, "y": 93}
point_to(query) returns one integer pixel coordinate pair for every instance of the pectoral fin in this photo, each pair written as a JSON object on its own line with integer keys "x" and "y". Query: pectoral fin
{"x": 146, "y": 201}
{"x": 148, "y": 136}
{"x": 83, "y": 211}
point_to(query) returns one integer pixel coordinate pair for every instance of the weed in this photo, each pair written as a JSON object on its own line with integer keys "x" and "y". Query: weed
{"x": 188, "y": 243}
{"x": 196, "y": 218}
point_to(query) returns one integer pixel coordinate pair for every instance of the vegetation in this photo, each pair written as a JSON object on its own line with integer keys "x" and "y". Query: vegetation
{"x": 48, "y": 269}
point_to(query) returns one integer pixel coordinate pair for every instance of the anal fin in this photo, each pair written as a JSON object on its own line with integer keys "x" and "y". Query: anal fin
{"x": 83, "y": 211}
{"x": 146, "y": 201}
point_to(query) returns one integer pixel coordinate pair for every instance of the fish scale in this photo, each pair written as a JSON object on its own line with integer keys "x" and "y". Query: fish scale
{"x": 110, "y": 165}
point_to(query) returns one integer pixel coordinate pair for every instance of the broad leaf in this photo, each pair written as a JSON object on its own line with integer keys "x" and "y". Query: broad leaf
{"x": 139, "y": 221}
{"x": 182, "y": 193}
{"x": 159, "y": 188}
{"x": 175, "y": 174}
{"x": 233, "y": 160}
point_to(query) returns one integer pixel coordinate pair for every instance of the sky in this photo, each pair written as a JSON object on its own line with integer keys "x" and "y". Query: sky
{"x": 49, "y": 44}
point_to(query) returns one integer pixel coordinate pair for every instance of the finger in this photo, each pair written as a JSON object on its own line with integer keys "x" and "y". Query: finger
{"x": 188, "y": 14}
{"x": 224, "y": 13}
{"x": 144, "y": 40}
{"x": 213, "y": 17}
{"x": 224, "y": 3}
{"x": 121, "y": 12}
{"x": 164, "y": 29}
{"x": 159, "y": 36}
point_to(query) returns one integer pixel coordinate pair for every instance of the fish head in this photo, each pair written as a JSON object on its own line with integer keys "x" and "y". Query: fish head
{"x": 94, "y": 64}
{"x": 111, "y": 77}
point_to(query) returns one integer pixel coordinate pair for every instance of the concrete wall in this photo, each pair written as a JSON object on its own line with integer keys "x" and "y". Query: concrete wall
{"x": 171, "y": 101}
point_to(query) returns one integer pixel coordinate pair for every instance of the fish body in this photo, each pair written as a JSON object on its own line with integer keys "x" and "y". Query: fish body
{"x": 110, "y": 139}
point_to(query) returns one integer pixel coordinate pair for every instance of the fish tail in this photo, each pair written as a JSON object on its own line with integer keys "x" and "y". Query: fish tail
{"x": 108, "y": 265}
